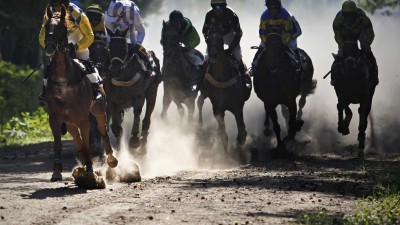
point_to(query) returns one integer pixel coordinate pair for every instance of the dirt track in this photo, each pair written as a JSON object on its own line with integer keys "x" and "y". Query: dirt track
{"x": 270, "y": 191}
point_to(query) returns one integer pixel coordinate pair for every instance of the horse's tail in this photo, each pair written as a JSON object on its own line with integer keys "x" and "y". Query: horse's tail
{"x": 308, "y": 87}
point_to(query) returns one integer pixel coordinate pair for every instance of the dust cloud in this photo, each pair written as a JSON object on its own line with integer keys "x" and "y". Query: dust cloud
{"x": 172, "y": 145}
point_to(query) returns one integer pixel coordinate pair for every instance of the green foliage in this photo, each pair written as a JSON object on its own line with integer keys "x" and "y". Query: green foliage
{"x": 379, "y": 5}
{"x": 319, "y": 218}
{"x": 27, "y": 128}
{"x": 382, "y": 208}
{"x": 16, "y": 96}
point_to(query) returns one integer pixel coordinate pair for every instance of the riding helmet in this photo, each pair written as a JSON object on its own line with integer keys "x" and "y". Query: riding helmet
{"x": 217, "y": 1}
{"x": 94, "y": 8}
{"x": 64, "y": 2}
{"x": 349, "y": 6}
{"x": 273, "y": 3}
{"x": 175, "y": 15}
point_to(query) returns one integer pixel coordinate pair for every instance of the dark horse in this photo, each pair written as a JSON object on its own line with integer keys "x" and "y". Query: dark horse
{"x": 101, "y": 58}
{"x": 308, "y": 86}
{"x": 69, "y": 97}
{"x": 353, "y": 86}
{"x": 127, "y": 87}
{"x": 178, "y": 74}
{"x": 224, "y": 88}
{"x": 276, "y": 82}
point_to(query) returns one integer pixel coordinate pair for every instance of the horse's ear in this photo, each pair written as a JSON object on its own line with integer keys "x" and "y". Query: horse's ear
{"x": 49, "y": 13}
{"x": 163, "y": 23}
{"x": 63, "y": 12}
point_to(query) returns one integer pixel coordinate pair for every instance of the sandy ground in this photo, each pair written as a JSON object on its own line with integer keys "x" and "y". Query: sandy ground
{"x": 271, "y": 190}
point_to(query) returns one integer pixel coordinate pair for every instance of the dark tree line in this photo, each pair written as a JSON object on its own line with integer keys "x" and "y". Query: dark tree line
{"x": 20, "y": 22}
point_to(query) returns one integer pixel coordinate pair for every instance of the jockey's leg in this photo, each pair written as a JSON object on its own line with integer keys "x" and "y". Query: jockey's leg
{"x": 94, "y": 78}
{"x": 143, "y": 55}
{"x": 42, "y": 95}
{"x": 256, "y": 59}
{"x": 197, "y": 84}
{"x": 246, "y": 80}
{"x": 372, "y": 59}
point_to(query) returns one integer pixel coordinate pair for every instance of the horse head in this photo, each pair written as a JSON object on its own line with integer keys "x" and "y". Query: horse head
{"x": 170, "y": 38}
{"x": 118, "y": 48}
{"x": 275, "y": 51}
{"x": 99, "y": 53}
{"x": 215, "y": 44}
{"x": 351, "y": 55}
{"x": 56, "y": 31}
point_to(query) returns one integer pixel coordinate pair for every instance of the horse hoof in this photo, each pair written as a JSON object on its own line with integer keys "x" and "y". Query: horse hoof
{"x": 134, "y": 142}
{"x": 56, "y": 177}
{"x": 360, "y": 154}
{"x": 346, "y": 131}
{"x": 267, "y": 132}
{"x": 112, "y": 161}
{"x": 300, "y": 124}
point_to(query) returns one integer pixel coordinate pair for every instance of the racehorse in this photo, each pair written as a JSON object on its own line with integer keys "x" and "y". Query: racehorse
{"x": 308, "y": 86}
{"x": 224, "y": 88}
{"x": 126, "y": 87}
{"x": 353, "y": 86}
{"x": 101, "y": 58}
{"x": 275, "y": 83}
{"x": 69, "y": 97}
{"x": 178, "y": 74}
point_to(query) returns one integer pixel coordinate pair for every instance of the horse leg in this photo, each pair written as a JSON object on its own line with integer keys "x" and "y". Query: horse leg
{"x": 99, "y": 111}
{"x": 134, "y": 141}
{"x": 341, "y": 125}
{"x": 302, "y": 103}
{"x": 55, "y": 127}
{"x": 347, "y": 119}
{"x": 181, "y": 110}
{"x": 151, "y": 96}
{"x": 190, "y": 106}
{"x": 167, "y": 99}
{"x": 267, "y": 131}
{"x": 293, "y": 125}
{"x": 285, "y": 114}
{"x": 242, "y": 133}
{"x": 220, "y": 117}
{"x": 200, "y": 103}
{"x": 274, "y": 118}
{"x": 117, "y": 115}
{"x": 95, "y": 137}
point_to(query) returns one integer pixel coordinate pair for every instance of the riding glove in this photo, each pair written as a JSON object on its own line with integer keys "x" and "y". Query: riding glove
{"x": 134, "y": 49}
{"x": 72, "y": 50}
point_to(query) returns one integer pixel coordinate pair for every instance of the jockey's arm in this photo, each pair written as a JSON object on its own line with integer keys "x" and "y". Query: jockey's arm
{"x": 42, "y": 33}
{"x": 87, "y": 32}
{"x": 238, "y": 32}
{"x": 368, "y": 34}
{"x": 296, "y": 31}
{"x": 206, "y": 26}
{"x": 139, "y": 27}
{"x": 288, "y": 25}
{"x": 337, "y": 24}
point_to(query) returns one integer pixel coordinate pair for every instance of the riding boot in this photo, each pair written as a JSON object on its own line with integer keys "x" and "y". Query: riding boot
{"x": 96, "y": 91}
{"x": 42, "y": 96}
{"x": 147, "y": 64}
{"x": 334, "y": 71}
{"x": 246, "y": 80}
{"x": 254, "y": 64}
{"x": 198, "y": 83}
{"x": 94, "y": 79}
{"x": 374, "y": 65}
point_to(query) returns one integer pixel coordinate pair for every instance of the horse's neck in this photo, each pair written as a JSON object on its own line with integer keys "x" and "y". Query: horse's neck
{"x": 177, "y": 61}
{"x": 61, "y": 68}
{"x": 221, "y": 69}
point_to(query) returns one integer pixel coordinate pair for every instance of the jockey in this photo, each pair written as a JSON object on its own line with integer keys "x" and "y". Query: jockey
{"x": 96, "y": 18}
{"x": 122, "y": 15}
{"x": 80, "y": 37}
{"x": 276, "y": 19}
{"x": 188, "y": 36}
{"x": 221, "y": 15}
{"x": 352, "y": 24}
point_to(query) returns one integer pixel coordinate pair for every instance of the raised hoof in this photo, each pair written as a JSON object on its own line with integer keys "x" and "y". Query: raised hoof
{"x": 344, "y": 131}
{"x": 134, "y": 142}
{"x": 112, "y": 161}
{"x": 56, "y": 177}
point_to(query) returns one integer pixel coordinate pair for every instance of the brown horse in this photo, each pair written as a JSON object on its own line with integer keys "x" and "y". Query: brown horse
{"x": 178, "y": 74}
{"x": 224, "y": 88}
{"x": 126, "y": 87}
{"x": 69, "y": 97}
{"x": 353, "y": 86}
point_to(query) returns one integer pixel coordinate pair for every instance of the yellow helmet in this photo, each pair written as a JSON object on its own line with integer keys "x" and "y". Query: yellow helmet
{"x": 217, "y": 1}
{"x": 349, "y": 6}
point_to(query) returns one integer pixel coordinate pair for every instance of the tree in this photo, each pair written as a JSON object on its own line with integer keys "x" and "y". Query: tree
{"x": 387, "y": 6}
